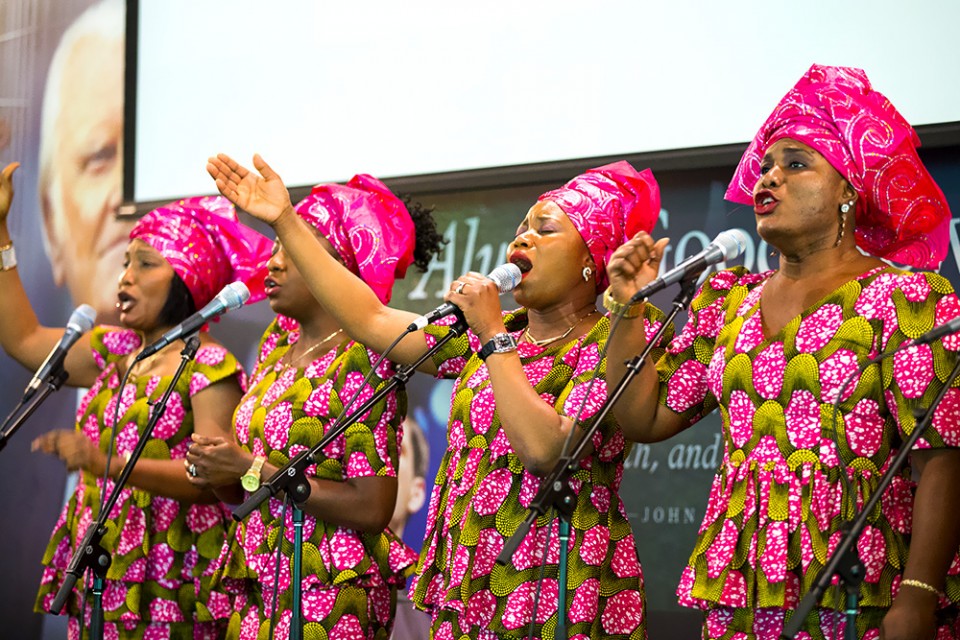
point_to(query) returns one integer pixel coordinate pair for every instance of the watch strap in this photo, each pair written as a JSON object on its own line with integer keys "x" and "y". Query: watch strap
{"x": 252, "y": 475}
{"x": 500, "y": 343}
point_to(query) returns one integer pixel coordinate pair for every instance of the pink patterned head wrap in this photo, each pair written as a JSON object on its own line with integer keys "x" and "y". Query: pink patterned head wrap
{"x": 207, "y": 246}
{"x": 368, "y": 226}
{"x": 608, "y": 206}
{"x": 901, "y": 213}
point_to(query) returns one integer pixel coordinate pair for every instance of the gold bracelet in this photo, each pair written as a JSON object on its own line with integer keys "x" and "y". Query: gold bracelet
{"x": 910, "y": 582}
{"x": 630, "y": 310}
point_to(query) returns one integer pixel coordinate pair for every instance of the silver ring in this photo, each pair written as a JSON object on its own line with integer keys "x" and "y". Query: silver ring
{"x": 192, "y": 470}
{"x": 459, "y": 288}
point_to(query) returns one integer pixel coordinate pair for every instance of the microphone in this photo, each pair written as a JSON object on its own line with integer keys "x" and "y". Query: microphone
{"x": 726, "y": 246}
{"x": 81, "y": 321}
{"x": 506, "y": 277}
{"x": 936, "y": 333}
{"x": 231, "y": 296}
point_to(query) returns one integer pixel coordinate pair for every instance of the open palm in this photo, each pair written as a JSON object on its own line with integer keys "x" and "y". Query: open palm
{"x": 263, "y": 196}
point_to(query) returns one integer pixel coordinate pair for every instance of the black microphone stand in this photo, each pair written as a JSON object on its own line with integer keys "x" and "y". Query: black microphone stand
{"x": 555, "y": 491}
{"x": 292, "y": 480}
{"x": 845, "y": 562}
{"x": 90, "y": 553}
{"x": 17, "y": 417}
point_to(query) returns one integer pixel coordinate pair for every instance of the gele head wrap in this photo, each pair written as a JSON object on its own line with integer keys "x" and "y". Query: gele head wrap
{"x": 608, "y": 205}
{"x": 901, "y": 213}
{"x": 369, "y": 227}
{"x": 207, "y": 246}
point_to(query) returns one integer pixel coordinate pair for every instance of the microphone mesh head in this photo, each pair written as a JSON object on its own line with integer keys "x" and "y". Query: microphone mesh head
{"x": 733, "y": 242}
{"x": 234, "y": 295}
{"x": 506, "y": 277}
{"x": 83, "y": 318}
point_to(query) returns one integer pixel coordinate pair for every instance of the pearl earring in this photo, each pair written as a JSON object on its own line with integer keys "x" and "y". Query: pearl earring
{"x": 587, "y": 272}
{"x": 844, "y": 208}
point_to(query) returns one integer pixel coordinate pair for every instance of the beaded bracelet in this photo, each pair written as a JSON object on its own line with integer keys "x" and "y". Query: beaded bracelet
{"x": 910, "y": 582}
{"x": 630, "y": 310}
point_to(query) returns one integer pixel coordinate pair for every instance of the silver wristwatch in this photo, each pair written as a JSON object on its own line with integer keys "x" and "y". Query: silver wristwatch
{"x": 500, "y": 343}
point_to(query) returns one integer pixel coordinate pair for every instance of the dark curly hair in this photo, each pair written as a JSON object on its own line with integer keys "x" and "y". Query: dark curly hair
{"x": 179, "y": 304}
{"x": 429, "y": 241}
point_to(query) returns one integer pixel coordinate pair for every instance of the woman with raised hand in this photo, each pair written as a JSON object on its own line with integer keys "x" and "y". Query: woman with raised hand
{"x": 165, "y": 532}
{"x": 521, "y": 378}
{"x": 307, "y": 370}
{"x": 837, "y": 187}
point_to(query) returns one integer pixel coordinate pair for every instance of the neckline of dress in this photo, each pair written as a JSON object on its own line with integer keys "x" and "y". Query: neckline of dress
{"x": 535, "y": 349}
{"x": 757, "y": 311}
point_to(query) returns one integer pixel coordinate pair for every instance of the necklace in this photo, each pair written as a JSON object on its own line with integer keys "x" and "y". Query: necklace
{"x": 311, "y": 349}
{"x": 136, "y": 369}
{"x": 545, "y": 341}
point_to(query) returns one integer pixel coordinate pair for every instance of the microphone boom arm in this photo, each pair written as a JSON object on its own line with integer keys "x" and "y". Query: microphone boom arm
{"x": 555, "y": 487}
{"x": 291, "y": 477}
{"x": 17, "y": 417}
{"x": 90, "y": 553}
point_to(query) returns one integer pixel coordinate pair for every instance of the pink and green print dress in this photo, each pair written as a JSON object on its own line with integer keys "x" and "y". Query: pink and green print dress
{"x": 163, "y": 550}
{"x": 349, "y": 578}
{"x": 777, "y": 501}
{"x": 481, "y": 496}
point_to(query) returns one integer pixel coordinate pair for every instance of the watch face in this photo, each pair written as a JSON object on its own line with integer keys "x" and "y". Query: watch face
{"x": 500, "y": 343}
{"x": 250, "y": 482}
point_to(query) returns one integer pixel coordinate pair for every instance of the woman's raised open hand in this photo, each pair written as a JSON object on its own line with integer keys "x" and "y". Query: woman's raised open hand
{"x": 263, "y": 196}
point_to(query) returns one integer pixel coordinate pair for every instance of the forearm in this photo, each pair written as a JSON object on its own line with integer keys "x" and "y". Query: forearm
{"x": 230, "y": 493}
{"x": 160, "y": 477}
{"x": 637, "y": 408}
{"x": 362, "y": 504}
{"x": 935, "y": 536}
{"x": 20, "y": 331}
{"x": 534, "y": 428}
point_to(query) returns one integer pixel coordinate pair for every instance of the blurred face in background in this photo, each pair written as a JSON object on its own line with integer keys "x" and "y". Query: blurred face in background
{"x": 83, "y": 187}
{"x": 411, "y": 485}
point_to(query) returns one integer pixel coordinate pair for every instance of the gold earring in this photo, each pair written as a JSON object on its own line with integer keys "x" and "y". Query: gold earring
{"x": 843, "y": 223}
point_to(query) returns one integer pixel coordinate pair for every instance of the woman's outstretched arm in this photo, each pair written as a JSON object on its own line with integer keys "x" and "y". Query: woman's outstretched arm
{"x": 638, "y": 410}
{"x": 343, "y": 294}
{"x": 22, "y": 336}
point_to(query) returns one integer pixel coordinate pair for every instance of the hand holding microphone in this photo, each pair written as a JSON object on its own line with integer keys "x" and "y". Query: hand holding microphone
{"x": 506, "y": 277}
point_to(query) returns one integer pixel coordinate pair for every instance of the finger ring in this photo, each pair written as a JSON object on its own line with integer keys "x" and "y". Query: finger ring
{"x": 460, "y": 286}
{"x": 192, "y": 470}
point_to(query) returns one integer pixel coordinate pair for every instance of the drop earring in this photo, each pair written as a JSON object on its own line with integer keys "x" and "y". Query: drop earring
{"x": 844, "y": 210}
{"x": 587, "y": 272}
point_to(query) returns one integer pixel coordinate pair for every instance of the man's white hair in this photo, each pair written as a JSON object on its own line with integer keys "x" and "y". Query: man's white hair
{"x": 106, "y": 19}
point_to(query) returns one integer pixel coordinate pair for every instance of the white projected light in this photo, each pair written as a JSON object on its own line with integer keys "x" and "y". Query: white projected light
{"x": 325, "y": 90}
